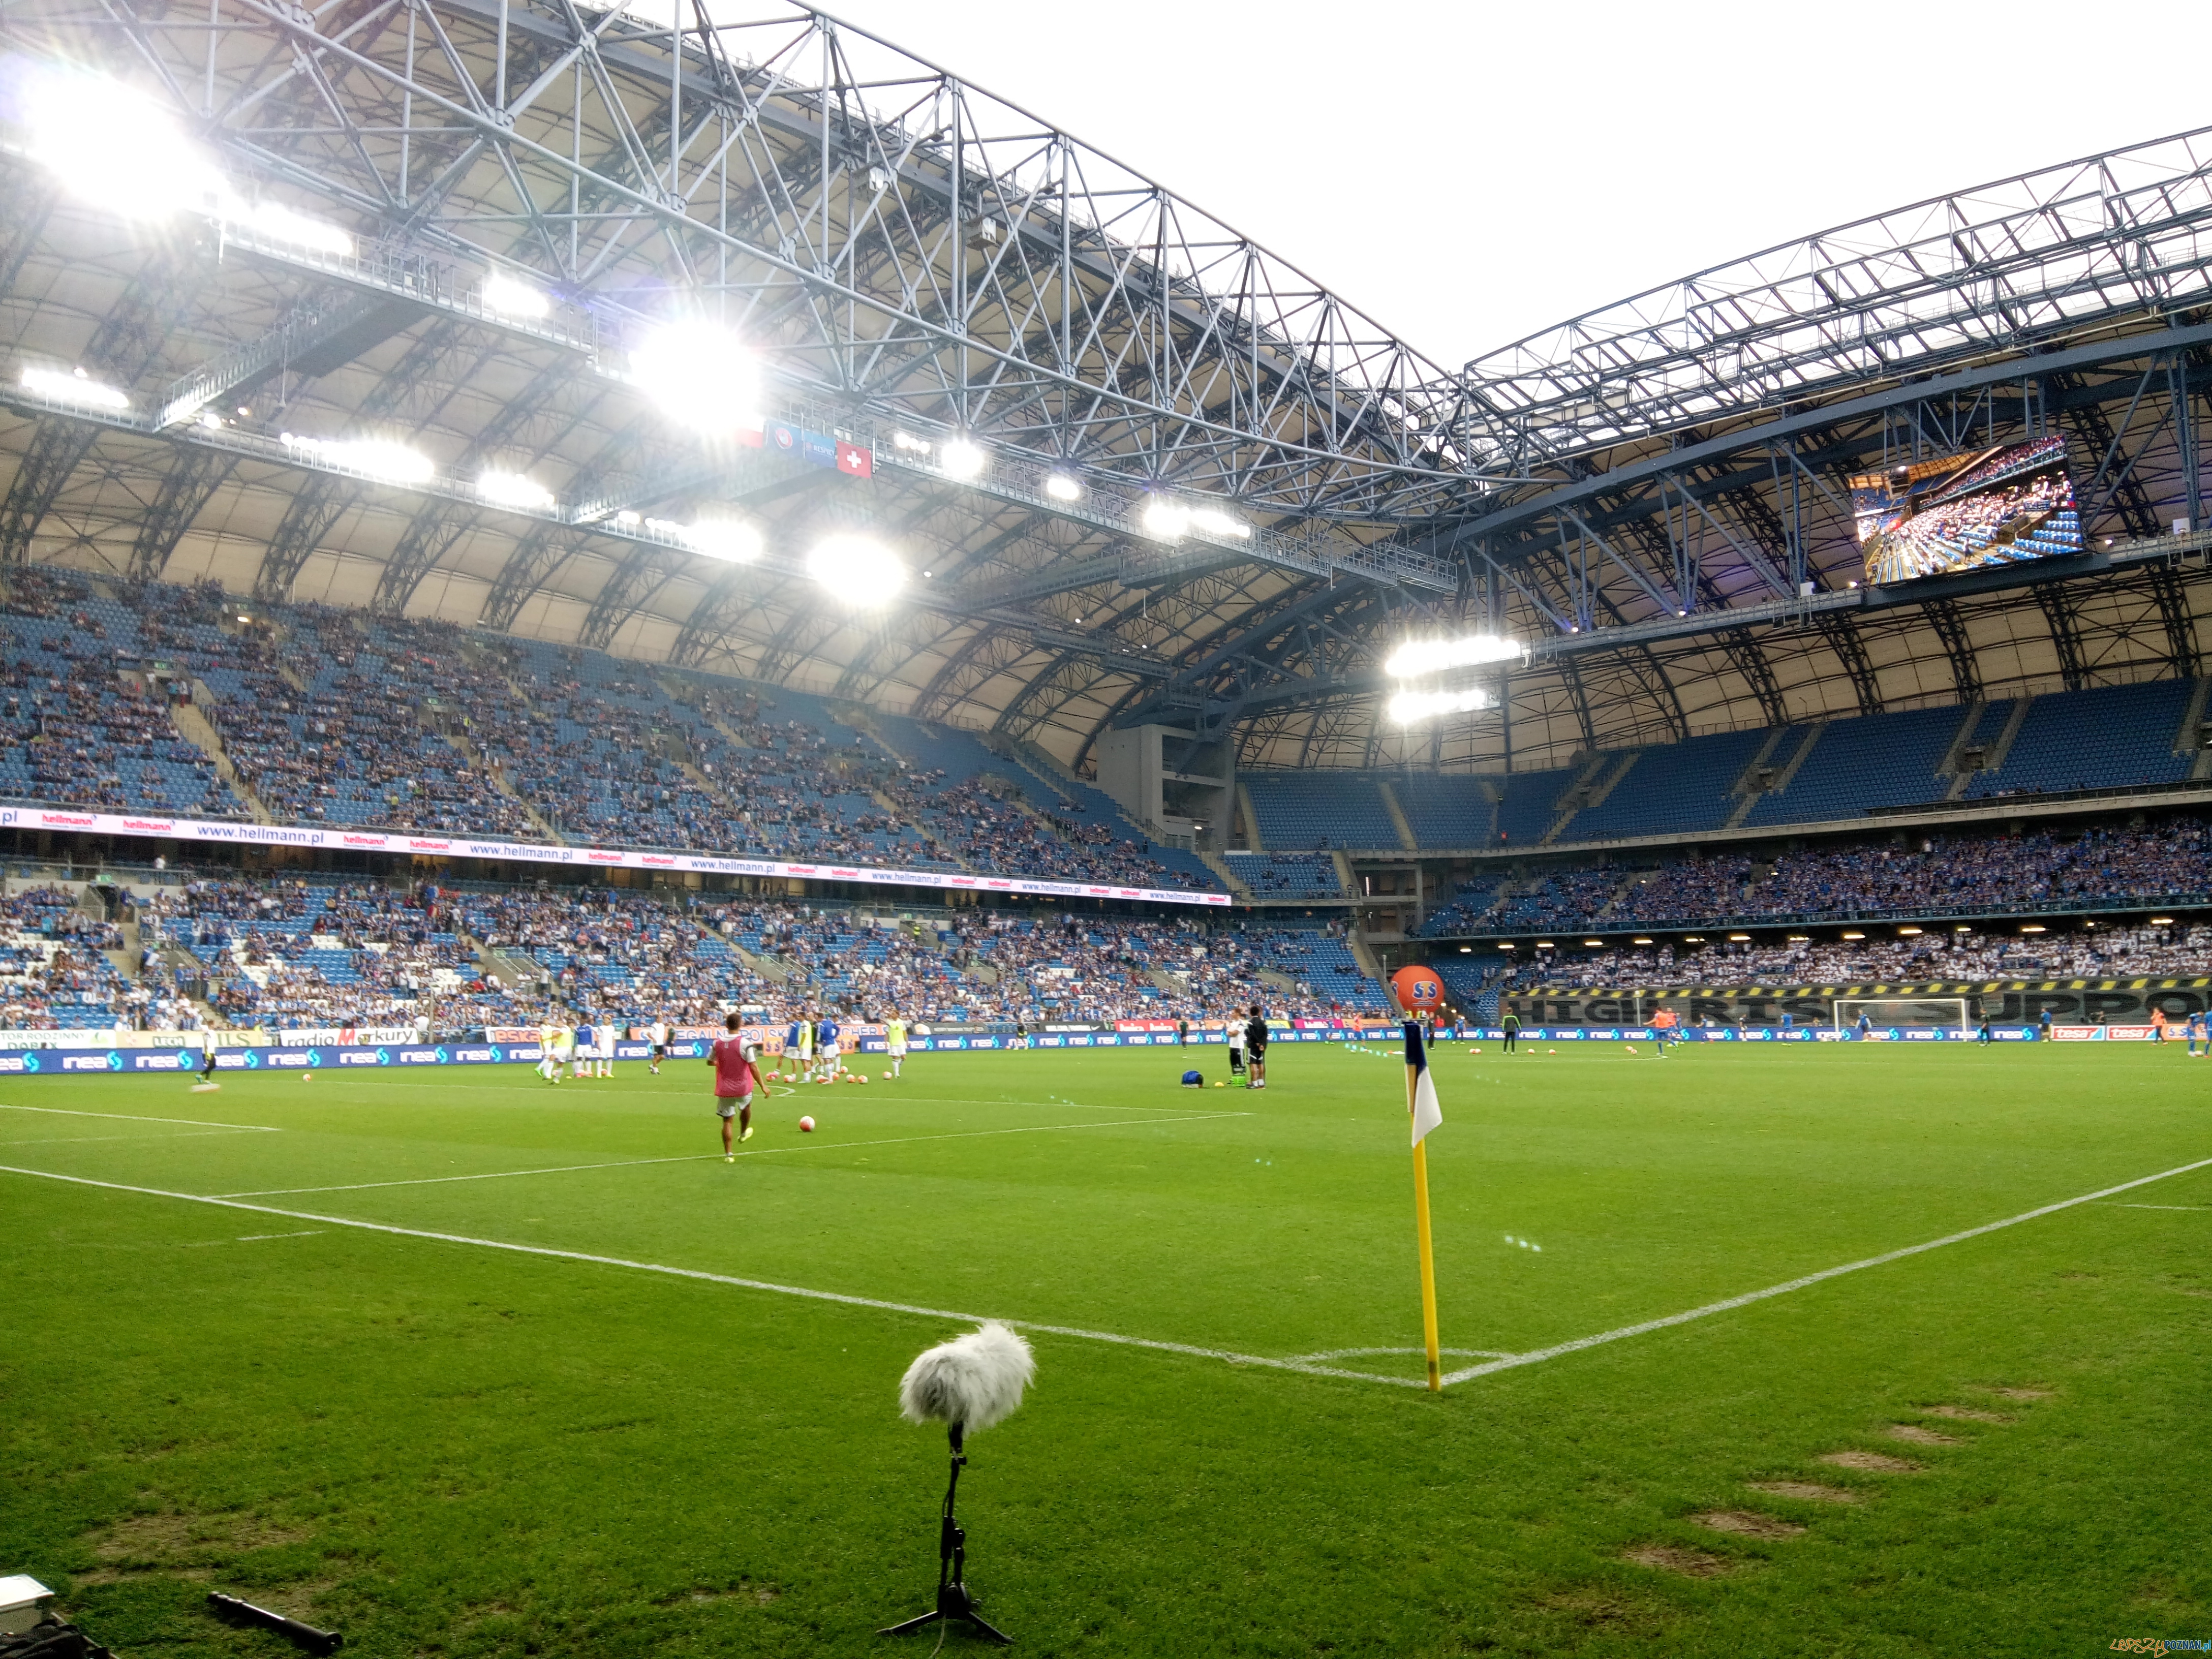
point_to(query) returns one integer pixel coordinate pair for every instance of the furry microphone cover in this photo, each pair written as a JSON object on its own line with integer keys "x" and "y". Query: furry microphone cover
{"x": 975, "y": 1380}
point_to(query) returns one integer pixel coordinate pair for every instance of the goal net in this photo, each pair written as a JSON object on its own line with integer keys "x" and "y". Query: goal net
{"x": 1905, "y": 1013}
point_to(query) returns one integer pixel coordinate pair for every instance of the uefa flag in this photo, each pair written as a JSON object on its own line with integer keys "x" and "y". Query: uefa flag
{"x": 1427, "y": 1114}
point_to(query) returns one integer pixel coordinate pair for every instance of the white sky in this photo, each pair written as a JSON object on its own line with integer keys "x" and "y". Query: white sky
{"x": 1466, "y": 173}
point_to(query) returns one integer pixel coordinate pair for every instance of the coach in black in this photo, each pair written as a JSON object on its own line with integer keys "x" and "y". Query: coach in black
{"x": 1256, "y": 1048}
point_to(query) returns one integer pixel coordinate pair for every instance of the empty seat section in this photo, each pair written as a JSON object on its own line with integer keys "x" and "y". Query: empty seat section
{"x": 1529, "y": 804}
{"x": 2108, "y": 739}
{"x": 1286, "y": 875}
{"x": 1302, "y": 809}
{"x": 1673, "y": 788}
{"x": 1444, "y": 810}
{"x": 1873, "y": 759}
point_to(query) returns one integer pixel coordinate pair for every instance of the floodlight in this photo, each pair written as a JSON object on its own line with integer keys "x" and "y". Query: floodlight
{"x": 913, "y": 444}
{"x": 1854, "y": 936}
{"x": 281, "y": 224}
{"x": 1909, "y": 931}
{"x": 1163, "y": 519}
{"x": 376, "y": 457}
{"x": 962, "y": 458}
{"x": 1593, "y": 944}
{"x": 1408, "y": 706}
{"x": 1693, "y": 939}
{"x": 1641, "y": 941}
{"x": 1062, "y": 488}
{"x": 1214, "y": 522}
{"x": 114, "y": 147}
{"x": 700, "y": 375}
{"x": 1418, "y": 657}
{"x": 857, "y": 568}
{"x": 2033, "y": 928}
{"x": 1801, "y": 938}
{"x": 2162, "y": 922}
{"x": 731, "y": 540}
{"x": 79, "y": 389}
{"x": 1739, "y": 939}
{"x": 510, "y": 298}
{"x": 513, "y": 490}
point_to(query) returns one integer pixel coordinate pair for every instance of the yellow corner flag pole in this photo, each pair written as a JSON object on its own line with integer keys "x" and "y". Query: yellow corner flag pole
{"x": 1421, "y": 1222}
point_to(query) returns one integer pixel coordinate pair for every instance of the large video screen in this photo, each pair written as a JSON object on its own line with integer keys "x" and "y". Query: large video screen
{"x": 1987, "y": 506}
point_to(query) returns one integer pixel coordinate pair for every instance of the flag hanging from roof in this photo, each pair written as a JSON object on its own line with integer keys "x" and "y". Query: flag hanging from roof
{"x": 1427, "y": 1114}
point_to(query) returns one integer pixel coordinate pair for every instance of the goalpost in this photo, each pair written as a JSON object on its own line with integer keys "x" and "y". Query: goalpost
{"x": 1886, "y": 1012}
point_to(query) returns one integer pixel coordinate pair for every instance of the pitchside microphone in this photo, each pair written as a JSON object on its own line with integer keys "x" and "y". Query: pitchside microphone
{"x": 967, "y": 1384}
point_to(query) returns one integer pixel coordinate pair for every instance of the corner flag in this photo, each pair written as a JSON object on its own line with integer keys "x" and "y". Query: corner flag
{"x": 1427, "y": 1114}
{"x": 1421, "y": 1106}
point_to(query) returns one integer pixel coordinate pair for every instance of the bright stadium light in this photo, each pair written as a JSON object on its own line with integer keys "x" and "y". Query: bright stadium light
{"x": 731, "y": 540}
{"x": 502, "y": 294}
{"x": 1165, "y": 519}
{"x": 281, "y": 224}
{"x": 963, "y": 459}
{"x": 858, "y": 569}
{"x": 114, "y": 147}
{"x": 513, "y": 490}
{"x": 78, "y": 388}
{"x": 1062, "y": 488}
{"x": 374, "y": 457}
{"x": 1407, "y": 707}
{"x": 1214, "y": 522}
{"x": 702, "y": 377}
{"x": 912, "y": 445}
{"x": 1418, "y": 657}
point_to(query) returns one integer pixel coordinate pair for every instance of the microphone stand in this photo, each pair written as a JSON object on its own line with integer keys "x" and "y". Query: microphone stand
{"x": 953, "y": 1601}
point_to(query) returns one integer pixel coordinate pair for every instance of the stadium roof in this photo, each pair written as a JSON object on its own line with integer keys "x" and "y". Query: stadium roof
{"x": 907, "y": 257}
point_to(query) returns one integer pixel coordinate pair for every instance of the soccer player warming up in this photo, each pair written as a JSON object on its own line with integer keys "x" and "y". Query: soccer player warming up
{"x": 206, "y": 1066}
{"x": 895, "y": 1041}
{"x": 736, "y": 1078}
{"x": 659, "y": 1035}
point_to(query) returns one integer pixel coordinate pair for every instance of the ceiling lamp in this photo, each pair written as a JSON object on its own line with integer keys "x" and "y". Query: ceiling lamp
{"x": 513, "y": 490}
{"x": 858, "y": 569}
{"x": 510, "y": 298}
{"x": 733, "y": 541}
{"x": 963, "y": 459}
{"x": 701, "y": 376}
{"x": 374, "y": 458}
{"x": 1407, "y": 707}
{"x": 114, "y": 147}
{"x": 278, "y": 223}
{"x": 1418, "y": 657}
{"x": 1214, "y": 522}
{"x": 78, "y": 388}
{"x": 1164, "y": 518}
{"x": 1062, "y": 488}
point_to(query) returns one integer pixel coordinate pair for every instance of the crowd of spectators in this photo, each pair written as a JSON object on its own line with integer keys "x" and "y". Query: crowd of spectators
{"x": 1963, "y": 874}
{"x": 54, "y": 967}
{"x": 336, "y": 716}
{"x": 1948, "y": 957}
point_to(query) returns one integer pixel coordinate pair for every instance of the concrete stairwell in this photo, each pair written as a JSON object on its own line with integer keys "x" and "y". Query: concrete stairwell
{"x": 198, "y": 731}
{"x": 1219, "y": 866}
{"x": 1790, "y": 769}
{"x": 498, "y": 779}
{"x": 1589, "y": 789}
{"x": 1398, "y": 819}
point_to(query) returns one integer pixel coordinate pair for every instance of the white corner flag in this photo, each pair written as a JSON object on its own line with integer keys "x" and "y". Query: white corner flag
{"x": 1427, "y": 1114}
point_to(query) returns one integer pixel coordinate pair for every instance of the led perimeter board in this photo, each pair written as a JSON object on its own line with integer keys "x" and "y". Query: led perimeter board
{"x": 1932, "y": 518}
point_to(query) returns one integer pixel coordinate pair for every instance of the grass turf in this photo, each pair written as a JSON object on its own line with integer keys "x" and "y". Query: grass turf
{"x": 445, "y": 1449}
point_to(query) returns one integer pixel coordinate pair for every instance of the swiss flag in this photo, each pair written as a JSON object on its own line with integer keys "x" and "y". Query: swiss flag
{"x": 854, "y": 461}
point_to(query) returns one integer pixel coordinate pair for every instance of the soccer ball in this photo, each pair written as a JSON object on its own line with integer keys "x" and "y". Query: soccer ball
{"x": 806, "y": 1126}
{"x": 1221, "y": 1086}
{"x": 1631, "y": 1048}
{"x": 775, "y": 1077}
{"x": 887, "y": 1077}
{"x": 306, "y": 1077}
{"x": 862, "y": 1078}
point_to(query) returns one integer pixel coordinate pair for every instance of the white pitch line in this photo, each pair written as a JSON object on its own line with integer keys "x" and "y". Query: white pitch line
{"x": 1746, "y": 1300}
{"x": 707, "y": 1158}
{"x": 2162, "y": 1206}
{"x": 810, "y": 1294}
{"x": 94, "y": 1141}
{"x": 133, "y": 1117}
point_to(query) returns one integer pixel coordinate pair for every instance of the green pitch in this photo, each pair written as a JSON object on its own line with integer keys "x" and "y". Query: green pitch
{"x": 632, "y": 1437}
